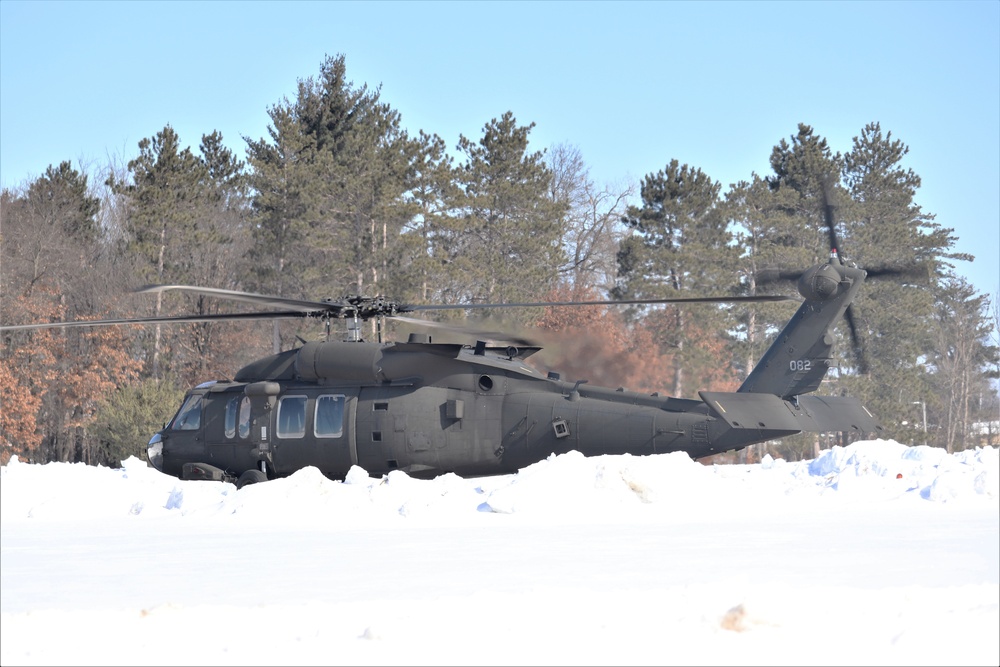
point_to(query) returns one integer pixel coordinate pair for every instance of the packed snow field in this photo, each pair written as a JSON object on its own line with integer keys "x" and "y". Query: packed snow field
{"x": 876, "y": 553}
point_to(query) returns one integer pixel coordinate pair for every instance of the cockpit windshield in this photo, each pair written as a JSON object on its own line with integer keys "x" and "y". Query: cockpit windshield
{"x": 189, "y": 416}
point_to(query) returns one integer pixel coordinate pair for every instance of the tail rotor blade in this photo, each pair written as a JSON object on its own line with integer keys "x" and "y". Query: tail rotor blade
{"x": 773, "y": 275}
{"x": 828, "y": 215}
{"x": 915, "y": 271}
{"x": 856, "y": 345}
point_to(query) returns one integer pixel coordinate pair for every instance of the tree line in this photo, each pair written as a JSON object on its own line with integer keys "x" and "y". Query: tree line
{"x": 340, "y": 199}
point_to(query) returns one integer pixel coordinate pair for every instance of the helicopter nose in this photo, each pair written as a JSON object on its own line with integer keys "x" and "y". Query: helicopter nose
{"x": 154, "y": 452}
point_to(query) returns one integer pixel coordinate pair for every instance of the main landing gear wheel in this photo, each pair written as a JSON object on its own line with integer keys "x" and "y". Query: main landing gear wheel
{"x": 250, "y": 477}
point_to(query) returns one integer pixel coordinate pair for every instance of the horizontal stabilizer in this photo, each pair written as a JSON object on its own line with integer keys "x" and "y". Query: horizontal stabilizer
{"x": 754, "y": 411}
{"x": 838, "y": 413}
{"x": 814, "y": 414}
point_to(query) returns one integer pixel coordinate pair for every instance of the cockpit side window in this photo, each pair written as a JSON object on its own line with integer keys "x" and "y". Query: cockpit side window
{"x": 189, "y": 416}
{"x": 292, "y": 417}
{"x": 329, "y": 422}
{"x": 245, "y": 418}
{"x": 231, "y": 407}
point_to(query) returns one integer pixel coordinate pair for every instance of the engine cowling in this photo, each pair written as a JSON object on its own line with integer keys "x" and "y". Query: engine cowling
{"x": 353, "y": 362}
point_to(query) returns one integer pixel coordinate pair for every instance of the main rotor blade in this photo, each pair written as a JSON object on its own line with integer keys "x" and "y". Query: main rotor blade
{"x": 245, "y": 297}
{"x": 225, "y": 317}
{"x": 364, "y": 308}
{"x": 623, "y": 302}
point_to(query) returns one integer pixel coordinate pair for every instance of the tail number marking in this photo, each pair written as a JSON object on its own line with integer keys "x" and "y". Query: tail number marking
{"x": 798, "y": 365}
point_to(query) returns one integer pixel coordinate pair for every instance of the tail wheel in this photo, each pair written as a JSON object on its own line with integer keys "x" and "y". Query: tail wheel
{"x": 251, "y": 476}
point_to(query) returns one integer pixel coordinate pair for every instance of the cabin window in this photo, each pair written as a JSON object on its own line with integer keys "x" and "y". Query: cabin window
{"x": 189, "y": 416}
{"x": 292, "y": 417}
{"x": 231, "y": 407}
{"x": 329, "y": 421}
{"x": 245, "y": 418}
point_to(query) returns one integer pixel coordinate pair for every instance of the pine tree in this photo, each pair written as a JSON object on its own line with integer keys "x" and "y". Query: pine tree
{"x": 964, "y": 360}
{"x": 280, "y": 179}
{"x": 806, "y": 179}
{"x": 680, "y": 246}
{"x": 887, "y": 231}
{"x": 330, "y": 188}
{"x": 165, "y": 201}
{"x": 422, "y": 245}
{"x": 127, "y": 416}
{"x": 504, "y": 242}
{"x": 768, "y": 239}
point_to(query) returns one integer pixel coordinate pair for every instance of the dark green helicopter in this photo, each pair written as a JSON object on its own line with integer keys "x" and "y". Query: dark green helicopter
{"x": 430, "y": 408}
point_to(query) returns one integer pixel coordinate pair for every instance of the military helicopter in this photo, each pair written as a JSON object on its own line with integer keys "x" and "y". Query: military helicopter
{"x": 429, "y": 408}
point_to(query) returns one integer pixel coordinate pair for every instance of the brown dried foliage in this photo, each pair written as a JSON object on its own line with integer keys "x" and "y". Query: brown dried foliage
{"x": 597, "y": 344}
{"x": 51, "y": 381}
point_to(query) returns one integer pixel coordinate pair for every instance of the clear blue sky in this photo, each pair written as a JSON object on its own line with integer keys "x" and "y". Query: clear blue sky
{"x": 632, "y": 84}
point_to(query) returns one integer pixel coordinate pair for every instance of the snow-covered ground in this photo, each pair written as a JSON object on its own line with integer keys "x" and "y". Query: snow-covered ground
{"x": 876, "y": 553}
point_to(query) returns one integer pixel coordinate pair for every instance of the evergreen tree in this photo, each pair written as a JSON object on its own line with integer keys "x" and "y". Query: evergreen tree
{"x": 964, "y": 361}
{"x": 166, "y": 201}
{"x": 368, "y": 210}
{"x": 505, "y": 242}
{"x": 680, "y": 246}
{"x": 50, "y": 230}
{"x": 128, "y": 416}
{"x": 165, "y": 197}
{"x": 887, "y": 231}
{"x": 768, "y": 238}
{"x": 185, "y": 226}
{"x": 363, "y": 167}
{"x": 280, "y": 179}
{"x": 806, "y": 179}
{"x": 330, "y": 188}
{"x": 424, "y": 239}
{"x": 218, "y": 246}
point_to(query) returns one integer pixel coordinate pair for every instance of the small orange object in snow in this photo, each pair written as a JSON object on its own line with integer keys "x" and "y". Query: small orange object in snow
{"x": 899, "y": 475}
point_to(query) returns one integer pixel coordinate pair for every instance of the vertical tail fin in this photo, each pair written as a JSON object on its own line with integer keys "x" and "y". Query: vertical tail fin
{"x": 800, "y": 356}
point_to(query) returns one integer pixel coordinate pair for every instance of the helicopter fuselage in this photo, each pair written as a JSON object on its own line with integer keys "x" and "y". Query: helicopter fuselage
{"x": 422, "y": 408}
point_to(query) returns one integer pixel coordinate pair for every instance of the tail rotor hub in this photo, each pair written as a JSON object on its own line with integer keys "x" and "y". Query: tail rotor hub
{"x": 820, "y": 283}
